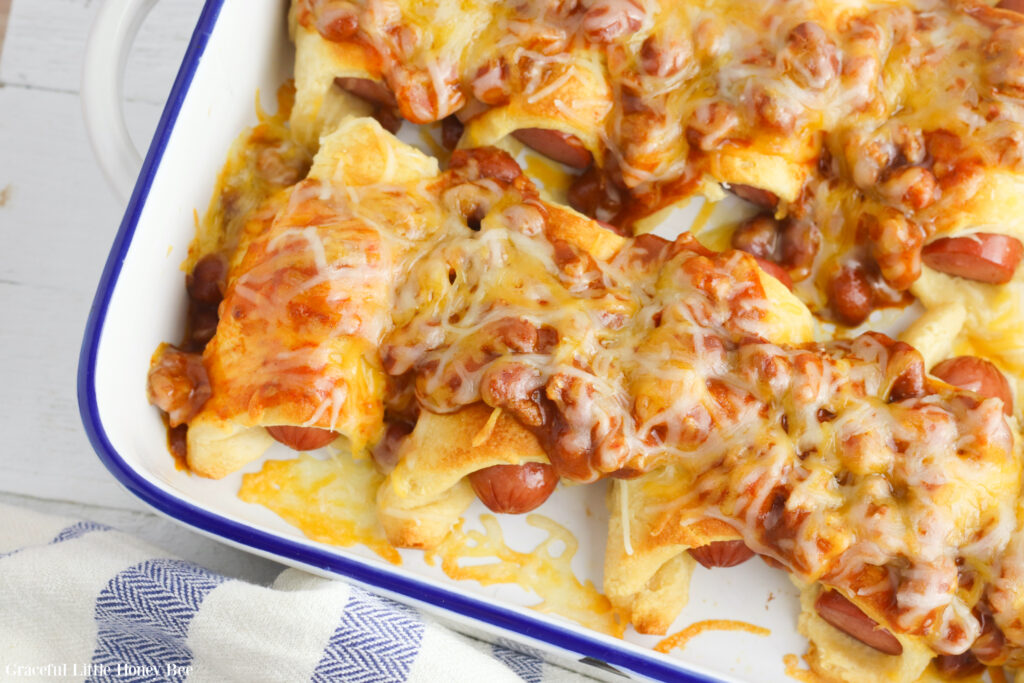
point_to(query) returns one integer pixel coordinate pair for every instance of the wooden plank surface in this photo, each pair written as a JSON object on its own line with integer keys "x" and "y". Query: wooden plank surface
{"x": 5, "y": 9}
{"x": 47, "y": 38}
{"x": 66, "y": 218}
{"x": 58, "y": 218}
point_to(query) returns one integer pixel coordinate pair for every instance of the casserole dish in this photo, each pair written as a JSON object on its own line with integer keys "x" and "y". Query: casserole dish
{"x": 240, "y": 48}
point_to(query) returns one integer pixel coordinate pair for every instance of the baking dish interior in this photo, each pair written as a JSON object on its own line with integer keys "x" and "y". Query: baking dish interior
{"x": 241, "y": 48}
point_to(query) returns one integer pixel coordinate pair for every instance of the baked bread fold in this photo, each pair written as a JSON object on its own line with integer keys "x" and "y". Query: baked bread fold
{"x": 308, "y": 300}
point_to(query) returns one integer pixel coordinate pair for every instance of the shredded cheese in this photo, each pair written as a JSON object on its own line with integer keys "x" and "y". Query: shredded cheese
{"x": 679, "y": 640}
{"x": 541, "y": 570}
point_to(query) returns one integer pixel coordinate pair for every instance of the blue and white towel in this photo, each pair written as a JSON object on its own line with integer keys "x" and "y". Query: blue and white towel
{"x": 81, "y": 601}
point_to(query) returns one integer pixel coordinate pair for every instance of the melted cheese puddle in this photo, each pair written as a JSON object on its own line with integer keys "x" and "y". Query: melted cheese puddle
{"x": 680, "y": 639}
{"x": 541, "y": 571}
{"x": 330, "y": 500}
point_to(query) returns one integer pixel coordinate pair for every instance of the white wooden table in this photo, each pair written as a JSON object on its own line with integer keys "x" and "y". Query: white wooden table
{"x": 57, "y": 220}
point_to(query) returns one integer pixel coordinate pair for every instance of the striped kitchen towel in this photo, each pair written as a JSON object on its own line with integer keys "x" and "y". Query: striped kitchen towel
{"x": 81, "y": 601}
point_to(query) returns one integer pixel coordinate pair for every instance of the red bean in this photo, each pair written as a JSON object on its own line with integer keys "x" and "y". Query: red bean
{"x": 758, "y": 236}
{"x": 851, "y": 295}
{"x": 206, "y": 281}
{"x": 451, "y": 131}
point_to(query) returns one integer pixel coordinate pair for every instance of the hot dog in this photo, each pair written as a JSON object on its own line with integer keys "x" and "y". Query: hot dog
{"x": 755, "y": 195}
{"x": 371, "y": 91}
{"x": 302, "y": 438}
{"x": 561, "y": 147}
{"x": 978, "y": 375}
{"x": 983, "y": 257}
{"x": 847, "y": 617}
{"x": 776, "y": 271}
{"x": 514, "y": 489}
{"x": 722, "y": 554}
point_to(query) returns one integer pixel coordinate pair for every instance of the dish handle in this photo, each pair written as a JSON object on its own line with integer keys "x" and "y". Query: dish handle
{"x": 106, "y": 55}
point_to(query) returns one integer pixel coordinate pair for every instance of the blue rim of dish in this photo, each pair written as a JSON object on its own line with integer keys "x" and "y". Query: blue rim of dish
{"x": 205, "y": 520}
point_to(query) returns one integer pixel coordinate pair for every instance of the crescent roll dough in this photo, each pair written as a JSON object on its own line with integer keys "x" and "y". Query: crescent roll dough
{"x": 306, "y": 305}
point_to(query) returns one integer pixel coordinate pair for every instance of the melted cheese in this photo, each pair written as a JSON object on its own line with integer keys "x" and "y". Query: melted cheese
{"x": 544, "y": 570}
{"x": 330, "y": 500}
{"x": 676, "y": 382}
{"x": 680, "y": 639}
{"x": 262, "y": 161}
{"x": 690, "y": 95}
{"x": 914, "y": 486}
{"x": 794, "y": 671}
{"x": 308, "y": 299}
{"x": 991, "y": 326}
